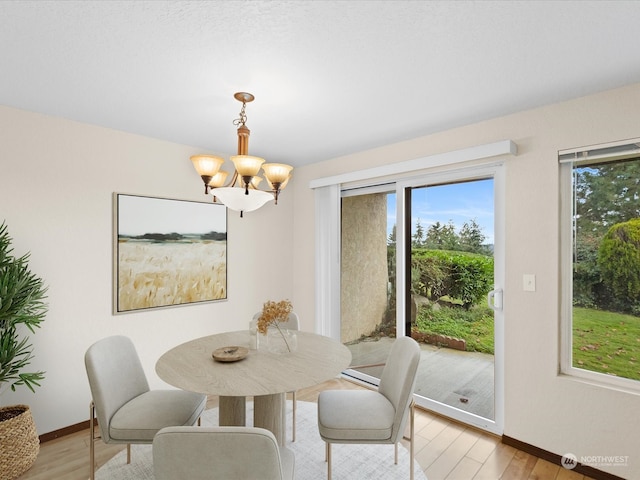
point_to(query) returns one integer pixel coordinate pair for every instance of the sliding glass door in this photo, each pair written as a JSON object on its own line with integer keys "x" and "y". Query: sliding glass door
{"x": 429, "y": 275}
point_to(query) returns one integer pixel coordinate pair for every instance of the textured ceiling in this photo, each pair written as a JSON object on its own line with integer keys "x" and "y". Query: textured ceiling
{"x": 330, "y": 77}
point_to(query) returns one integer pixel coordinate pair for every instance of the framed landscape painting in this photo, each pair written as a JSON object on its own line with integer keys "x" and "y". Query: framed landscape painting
{"x": 168, "y": 252}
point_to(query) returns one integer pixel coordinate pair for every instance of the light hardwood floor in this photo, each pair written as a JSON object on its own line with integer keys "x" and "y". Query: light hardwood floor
{"x": 446, "y": 451}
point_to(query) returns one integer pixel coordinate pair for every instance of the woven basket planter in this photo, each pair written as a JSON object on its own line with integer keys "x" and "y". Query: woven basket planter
{"x": 19, "y": 443}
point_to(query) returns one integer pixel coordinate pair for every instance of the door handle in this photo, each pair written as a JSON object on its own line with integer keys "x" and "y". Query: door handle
{"x": 494, "y": 299}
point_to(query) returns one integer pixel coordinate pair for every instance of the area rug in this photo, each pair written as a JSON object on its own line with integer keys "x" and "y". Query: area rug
{"x": 350, "y": 462}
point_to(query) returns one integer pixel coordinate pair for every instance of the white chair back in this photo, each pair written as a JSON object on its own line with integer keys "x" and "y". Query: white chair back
{"x": 203, "y": 453}
{"x": 398, "y": 380}
{"x": 115, "y": 377}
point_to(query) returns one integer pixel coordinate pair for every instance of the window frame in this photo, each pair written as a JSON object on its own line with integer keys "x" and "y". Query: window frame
{"x": 567, "y": 160}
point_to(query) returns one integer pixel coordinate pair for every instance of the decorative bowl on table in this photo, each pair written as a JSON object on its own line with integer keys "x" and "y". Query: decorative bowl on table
{"x": 230, "y": 354}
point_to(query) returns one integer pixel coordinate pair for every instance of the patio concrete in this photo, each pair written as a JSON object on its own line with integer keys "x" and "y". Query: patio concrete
{"x": 463, "y": 380}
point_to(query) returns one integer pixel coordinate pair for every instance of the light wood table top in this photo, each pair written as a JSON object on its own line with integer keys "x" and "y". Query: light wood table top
{"x": 190, "y": 366}
{"x": 263, "y": 375}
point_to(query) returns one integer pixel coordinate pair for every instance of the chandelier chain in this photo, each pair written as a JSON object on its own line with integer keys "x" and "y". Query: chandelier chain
{"x": 243, "y": 116}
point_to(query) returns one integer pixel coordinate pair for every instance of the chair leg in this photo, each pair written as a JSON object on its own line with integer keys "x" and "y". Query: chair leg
{"x": 412, "y": 411}
{"x": 328, "y": 461}
{"x": 293, "y": 420}
{"x": 395, "y": 448}
{"x": 128, "y": 453}
{"x": 92, "y": 439}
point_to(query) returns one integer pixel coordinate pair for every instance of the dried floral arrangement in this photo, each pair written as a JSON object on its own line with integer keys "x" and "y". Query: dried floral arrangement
{"x": 272, "y": 314}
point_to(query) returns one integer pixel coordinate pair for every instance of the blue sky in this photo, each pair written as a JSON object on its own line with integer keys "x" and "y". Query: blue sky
{"x": 457, "y": 202}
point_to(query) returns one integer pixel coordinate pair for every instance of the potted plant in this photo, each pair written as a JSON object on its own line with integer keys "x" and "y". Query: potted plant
{"x": 22, "y": 307}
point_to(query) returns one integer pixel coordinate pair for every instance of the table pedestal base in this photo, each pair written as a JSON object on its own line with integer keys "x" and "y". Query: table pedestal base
{"x": 268, "y": 412}
{"x": 233, "y": 411}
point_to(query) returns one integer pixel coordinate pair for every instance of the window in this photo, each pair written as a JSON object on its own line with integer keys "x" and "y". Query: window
{"x": 601, "y": 260}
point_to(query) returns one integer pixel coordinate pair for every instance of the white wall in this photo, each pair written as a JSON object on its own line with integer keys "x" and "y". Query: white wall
{"x": 57, "y": 178}
{"x": 552, "y": 412}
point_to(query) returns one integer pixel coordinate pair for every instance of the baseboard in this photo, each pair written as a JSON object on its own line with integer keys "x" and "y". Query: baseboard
{"x": 555, "y": 459}
{"x": 78, "y": 427}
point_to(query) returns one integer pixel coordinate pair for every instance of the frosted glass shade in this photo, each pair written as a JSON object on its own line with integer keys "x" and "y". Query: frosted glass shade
{"x": 218, "y": 179}
{"x": 282, "y": 185}
{"x": 255, "y": 181}
{"x": 207, "y": 165}
{"x": 247, "y": 165}
{"x": 236, "y": 199}
{"x": 276, "y": 172}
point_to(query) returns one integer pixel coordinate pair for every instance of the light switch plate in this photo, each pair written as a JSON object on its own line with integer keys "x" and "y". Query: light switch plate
{"x": 529, "y": 282}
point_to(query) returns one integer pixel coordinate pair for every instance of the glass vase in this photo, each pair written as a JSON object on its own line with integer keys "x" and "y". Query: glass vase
{"x": 253, "y": 335}
{"x": 281, "y": 340}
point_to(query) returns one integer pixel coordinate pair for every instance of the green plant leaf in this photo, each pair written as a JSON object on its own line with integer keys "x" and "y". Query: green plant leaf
{"x": 22, "y": 296}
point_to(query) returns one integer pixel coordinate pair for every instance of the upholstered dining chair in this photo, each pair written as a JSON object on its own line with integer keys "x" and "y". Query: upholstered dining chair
{"x": 367, "y": 416}
{"x": 292, "y": 323}
{"x": 203, "y": 453}
{"x": 126, "y": 409}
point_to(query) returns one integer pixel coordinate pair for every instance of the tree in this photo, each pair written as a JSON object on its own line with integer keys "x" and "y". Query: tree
{"x": 619, "y": 261}
{"x": 391, "y": 241}
{"x": 471, "y": 237}
{"x": 605, "y": 194}
{"x": 417, "y": 240}
{"x": 450, "y": 239}
{"x": 434, "y": 240}
{"x": 442, "y": 237}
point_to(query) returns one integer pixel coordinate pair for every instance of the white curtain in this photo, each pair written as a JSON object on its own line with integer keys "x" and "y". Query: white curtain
{"x": 327, "y": 239}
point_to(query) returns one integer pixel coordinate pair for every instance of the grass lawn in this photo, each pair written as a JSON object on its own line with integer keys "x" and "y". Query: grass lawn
{"x": 475, "y": 326}
{"x": 603, "y": 342}
{"x": 606, "y": 342}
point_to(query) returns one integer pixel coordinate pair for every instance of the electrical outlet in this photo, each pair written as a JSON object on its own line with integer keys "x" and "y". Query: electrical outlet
{"x": 529, "y": 282}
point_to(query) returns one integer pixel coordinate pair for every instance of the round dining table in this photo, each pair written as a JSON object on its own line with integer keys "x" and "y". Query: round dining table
{"x": 263, "y": 375}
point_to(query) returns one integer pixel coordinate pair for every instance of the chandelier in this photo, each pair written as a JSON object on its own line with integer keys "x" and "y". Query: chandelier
{"x": 241, "y": 193}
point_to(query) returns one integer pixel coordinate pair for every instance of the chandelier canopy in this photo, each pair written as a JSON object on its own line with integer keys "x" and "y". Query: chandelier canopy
{"x": 241, "y": 193}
